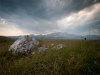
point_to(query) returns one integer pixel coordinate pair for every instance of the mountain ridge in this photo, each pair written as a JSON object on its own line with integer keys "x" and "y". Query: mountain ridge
{"x": 60, "y": 35}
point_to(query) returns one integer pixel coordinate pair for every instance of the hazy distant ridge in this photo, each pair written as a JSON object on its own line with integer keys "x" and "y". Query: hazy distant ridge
{"x": 61, "y": 35}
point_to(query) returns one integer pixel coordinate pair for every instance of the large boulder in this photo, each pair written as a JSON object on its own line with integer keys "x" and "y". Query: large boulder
{"x": 24, "y": 44}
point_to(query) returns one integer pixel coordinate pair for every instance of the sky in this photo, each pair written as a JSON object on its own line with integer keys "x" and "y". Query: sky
{"x": 23, "y": 17}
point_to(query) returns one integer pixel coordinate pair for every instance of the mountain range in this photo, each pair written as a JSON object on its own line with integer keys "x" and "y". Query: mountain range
{"x": 60, "y": 35}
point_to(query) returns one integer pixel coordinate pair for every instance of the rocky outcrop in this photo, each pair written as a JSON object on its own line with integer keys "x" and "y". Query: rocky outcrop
{"x": 24, "y": 44}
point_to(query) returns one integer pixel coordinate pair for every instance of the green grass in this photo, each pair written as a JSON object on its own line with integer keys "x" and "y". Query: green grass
{"x": 80, "y": 57}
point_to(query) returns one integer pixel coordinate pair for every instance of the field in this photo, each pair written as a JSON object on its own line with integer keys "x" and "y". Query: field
{"x": 80, "y": 57}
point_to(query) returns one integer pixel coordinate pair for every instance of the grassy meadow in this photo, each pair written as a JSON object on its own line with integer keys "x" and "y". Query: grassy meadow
{"x": 81, "y": 57}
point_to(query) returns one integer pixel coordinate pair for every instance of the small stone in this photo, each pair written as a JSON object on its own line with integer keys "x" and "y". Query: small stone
{"x": 43, "y": 48}
{"x": 60, "y": 46}
{"x": 52, "y": 44}
{"x": 33, "y": 53}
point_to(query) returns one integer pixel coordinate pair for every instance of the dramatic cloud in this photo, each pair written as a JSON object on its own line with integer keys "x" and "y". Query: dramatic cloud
{"x": 46, "y": 16}
{"x": 82, "y": 21}
{"x": 2, "y": 21}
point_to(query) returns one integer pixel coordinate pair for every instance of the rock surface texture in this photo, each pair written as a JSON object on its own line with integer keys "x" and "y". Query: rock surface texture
{"x": 60, "y": 46}
{"x": 43, "y": 48}
{"x": 24, "y": 44}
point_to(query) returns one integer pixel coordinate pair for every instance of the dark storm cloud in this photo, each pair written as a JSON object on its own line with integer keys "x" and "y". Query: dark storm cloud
{"x": 41, "y": 15}
{"x": 13, "y": 6}
{"x": 42, "y": 8}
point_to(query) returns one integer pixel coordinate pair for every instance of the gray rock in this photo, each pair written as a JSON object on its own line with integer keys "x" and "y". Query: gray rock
{"x": 43, "y": 48}
{"x": 52, "y": 44}
{"x": 60, "y": 46}
{"x": 24, "y": 44}
{"x": 33, "y": 53}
